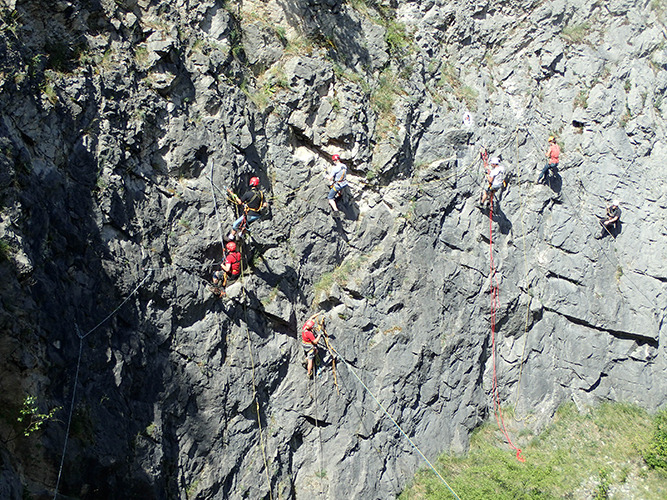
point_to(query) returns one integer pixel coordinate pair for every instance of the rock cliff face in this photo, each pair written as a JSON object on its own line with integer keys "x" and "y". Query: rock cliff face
{"x": 124, "y": 121}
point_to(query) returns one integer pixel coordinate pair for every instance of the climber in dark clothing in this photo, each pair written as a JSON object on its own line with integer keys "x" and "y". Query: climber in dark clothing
{"x": 611, "y": 222}
{"x": 252, "y": 202}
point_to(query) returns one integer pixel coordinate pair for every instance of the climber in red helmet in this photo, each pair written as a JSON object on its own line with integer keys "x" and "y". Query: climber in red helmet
{"x": 230, "y": 268}
{"x": 253, "y": 203}
{"x": 309, "y": 342}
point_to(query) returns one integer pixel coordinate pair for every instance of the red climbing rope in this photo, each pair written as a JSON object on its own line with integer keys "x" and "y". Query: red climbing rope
{"x": 493, "y": 283}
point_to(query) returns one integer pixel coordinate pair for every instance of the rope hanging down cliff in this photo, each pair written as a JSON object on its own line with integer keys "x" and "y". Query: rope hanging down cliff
{"x": 252, "y": 359}
{"x": 78, "y": 367}
{"x": 493, "y": 285}
{"x": 377, "y": 401}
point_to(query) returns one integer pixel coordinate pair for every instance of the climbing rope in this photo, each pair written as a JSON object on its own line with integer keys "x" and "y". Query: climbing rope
{"x": 320, "y": 473}
{"x": 377, "y": 401}
{"x": 333, "y": 363}
{"x": 321, "y": 327}
{"x": 71, "y": 412}
{"x": 252, "y": 359}
{"x": 254, "y": 393}
{"x": 599, "y": 243}
{"x": 588, "y": 229}
{"x": 76, "y": 377}
{"x": 493, "y": 284}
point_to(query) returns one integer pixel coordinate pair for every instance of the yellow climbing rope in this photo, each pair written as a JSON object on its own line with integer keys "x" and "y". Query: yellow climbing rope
{"x": 252, "y": 359}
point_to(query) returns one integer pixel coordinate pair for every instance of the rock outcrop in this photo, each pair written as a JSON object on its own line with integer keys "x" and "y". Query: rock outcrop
{"x": 123, "y": 122}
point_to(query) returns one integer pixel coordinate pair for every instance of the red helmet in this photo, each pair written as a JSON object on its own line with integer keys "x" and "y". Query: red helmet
{"x": 335, "y": 157}
{"x": 254, "y": 181}
{"x": 309, "y": 324}
{"x": 231, "y": 246}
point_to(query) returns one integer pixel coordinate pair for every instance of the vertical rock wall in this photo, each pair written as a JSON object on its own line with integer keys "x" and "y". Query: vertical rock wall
{"x": 124, "y": 121}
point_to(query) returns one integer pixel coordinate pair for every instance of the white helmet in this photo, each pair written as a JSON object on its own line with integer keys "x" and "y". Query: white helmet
{"x": 495, "y": 161}
{"x": 615, "y": 203}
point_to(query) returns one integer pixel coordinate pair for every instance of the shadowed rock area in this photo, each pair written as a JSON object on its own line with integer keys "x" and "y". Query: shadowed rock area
{"x": 124, "y": 122}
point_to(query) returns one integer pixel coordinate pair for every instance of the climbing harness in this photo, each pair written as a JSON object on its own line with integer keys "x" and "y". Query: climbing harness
{"x": 336, "y": 183}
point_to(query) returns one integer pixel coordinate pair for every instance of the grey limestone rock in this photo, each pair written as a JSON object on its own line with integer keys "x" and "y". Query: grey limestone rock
{"x": 114, "y": 167}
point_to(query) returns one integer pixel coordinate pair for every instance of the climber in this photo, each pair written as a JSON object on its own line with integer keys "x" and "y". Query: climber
{"x": 309, "y": 342}
{"x": 495, "y": 175}
{"x": 252, "y": 202}
{"x": 337, "y": 181}
{"x": 230, "y": 269}
{"x": 552, "y": 160}
{"x": 611, "y": 222}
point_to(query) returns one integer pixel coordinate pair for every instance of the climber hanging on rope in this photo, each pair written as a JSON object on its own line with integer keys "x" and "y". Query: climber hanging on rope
{"x": 252, "y": 202}
{"x": 552, "y": 160}
{"x": 309, "y": 342}
{"x": 495, "y": 175}
{"x": 611, "y": 223}
{"x": 337, "y": 182}
{"x": 230, "y": 269}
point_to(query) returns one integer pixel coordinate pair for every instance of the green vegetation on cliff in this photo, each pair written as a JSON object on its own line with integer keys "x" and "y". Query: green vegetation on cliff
{"x": 613, "y": 451}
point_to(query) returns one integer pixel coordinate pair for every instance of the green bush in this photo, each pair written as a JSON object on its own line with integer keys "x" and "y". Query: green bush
{"x": 656, "y": 453}
{"x": 5, "y": 250}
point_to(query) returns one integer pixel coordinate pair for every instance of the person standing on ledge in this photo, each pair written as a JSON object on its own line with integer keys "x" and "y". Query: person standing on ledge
{"x": 552, "y": 159}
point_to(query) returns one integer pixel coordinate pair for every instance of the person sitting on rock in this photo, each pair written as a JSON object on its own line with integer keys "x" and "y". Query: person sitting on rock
{"x": 309, "y": 342}
{"x": 610, "y": 223}
{"x": 252, "y": 202}
{"x": 337, "y": 181}
{"x": 552, "y": 159}
{"x": 495, "y": 175}
{"x": 230, "y": 268}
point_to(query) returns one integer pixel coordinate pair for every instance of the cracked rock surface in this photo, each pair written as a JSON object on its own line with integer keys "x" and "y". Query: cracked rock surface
{"x": 123, "y": 123}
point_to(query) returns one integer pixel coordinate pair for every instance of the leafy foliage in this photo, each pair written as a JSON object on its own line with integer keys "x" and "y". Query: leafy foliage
{"x": 655, "y": 454}
{"x": 30, "y": 415}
